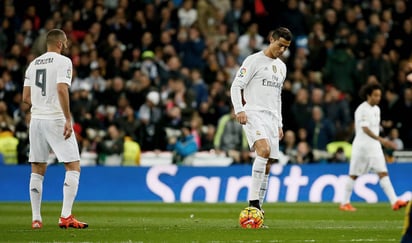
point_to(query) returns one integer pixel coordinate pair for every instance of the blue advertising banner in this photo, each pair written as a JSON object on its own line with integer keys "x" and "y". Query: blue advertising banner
{"x": 170, "y": 183}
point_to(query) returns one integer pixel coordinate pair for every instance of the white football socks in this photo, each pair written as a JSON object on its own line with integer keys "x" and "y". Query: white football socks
{"x": 263, "y": 189}
{"x": 348, "y": 190}
{"x": 387, "y": 187}
{"x": 36, "y": 189}
{"x": 71, "y": 184}
{"x": 258, "y": 174}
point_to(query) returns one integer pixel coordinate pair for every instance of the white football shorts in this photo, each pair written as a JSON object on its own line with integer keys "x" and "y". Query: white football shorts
{"x": 262, "y": 125}
{"x": 364, "y": 161}
{"x": 46, "y": 135}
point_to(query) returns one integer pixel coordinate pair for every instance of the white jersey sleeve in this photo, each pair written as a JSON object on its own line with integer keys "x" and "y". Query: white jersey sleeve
{"x": 42, "y": 76}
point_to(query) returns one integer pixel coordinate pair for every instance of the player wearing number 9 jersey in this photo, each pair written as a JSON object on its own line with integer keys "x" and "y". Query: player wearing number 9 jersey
{"x": 46, "y": 89}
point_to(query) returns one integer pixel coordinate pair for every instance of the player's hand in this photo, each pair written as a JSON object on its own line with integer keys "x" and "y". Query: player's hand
{"x": 241, "y": 117}
{"x": 387, "y": 144}
{"x": 280, "y": 133}
{"x": 68, "y": 129}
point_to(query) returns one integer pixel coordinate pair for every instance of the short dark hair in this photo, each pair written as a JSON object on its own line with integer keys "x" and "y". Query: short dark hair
{"x": 368, "y": 89}
{"x": 54, "y": 35}
{"x": 282, "y": 32}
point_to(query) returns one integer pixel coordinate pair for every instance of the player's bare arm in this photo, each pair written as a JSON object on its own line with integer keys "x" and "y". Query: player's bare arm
{"x": 27, "y": 95}
{"x": 63, "y": 91}
{"x": 386, "y": 143}
{"x": 280, "y": 133}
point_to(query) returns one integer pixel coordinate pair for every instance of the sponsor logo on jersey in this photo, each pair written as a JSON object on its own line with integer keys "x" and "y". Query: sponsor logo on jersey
{"x": 242, "y": 72}
{"x": 270, "y": 83}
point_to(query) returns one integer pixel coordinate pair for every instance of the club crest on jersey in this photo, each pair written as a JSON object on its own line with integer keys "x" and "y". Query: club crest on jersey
{"x": 242, "y": 72}
{"x": 258, "y": 132}
{"x": 274, "y": 68}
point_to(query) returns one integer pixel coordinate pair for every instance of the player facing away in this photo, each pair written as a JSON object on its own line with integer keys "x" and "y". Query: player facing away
{"x": 46, "y": 89}
{"x": 256, "y": 98}
{"x": 367, "y": 153}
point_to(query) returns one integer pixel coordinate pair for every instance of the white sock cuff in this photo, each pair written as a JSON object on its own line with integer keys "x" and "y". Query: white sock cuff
{"x": 73, "y": 174}
{"x": 260, "y": 160}
{"x": 37, "y": 176}
{"x": 384, "y": 179}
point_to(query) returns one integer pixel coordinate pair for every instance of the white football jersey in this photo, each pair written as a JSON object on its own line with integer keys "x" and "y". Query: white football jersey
{"x": 261, "y": 79}
{"x": 367, "y": 116}
{"x": 42, "y": 75}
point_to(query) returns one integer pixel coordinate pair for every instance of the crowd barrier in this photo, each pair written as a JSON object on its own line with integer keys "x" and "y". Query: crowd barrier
{"x": 172, "y": 183}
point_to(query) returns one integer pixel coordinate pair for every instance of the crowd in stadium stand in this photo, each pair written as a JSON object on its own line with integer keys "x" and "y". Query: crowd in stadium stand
{"x": 157, "y": 73}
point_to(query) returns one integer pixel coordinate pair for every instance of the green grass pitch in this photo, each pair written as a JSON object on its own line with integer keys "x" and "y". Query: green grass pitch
{"x": 202, "y": 222}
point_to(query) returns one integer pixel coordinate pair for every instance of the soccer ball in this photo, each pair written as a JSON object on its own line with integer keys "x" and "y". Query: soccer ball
{"x": 251, "y": 218}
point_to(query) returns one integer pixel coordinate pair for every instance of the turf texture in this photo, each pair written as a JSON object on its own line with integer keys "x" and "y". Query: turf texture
{"x": 202, "y": 222}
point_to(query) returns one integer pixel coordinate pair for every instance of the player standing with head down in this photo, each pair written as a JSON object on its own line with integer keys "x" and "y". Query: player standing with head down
{"x": 46, "y": 89}
{"x": 367, "y": 153}
{"x": 259, "y": 84}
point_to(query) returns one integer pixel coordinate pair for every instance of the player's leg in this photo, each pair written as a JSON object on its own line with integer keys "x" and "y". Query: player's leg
{"x": 39, "y": 152}
{"x": 407, "y": 226}
{"x": 358, "y": 166}
{"x": 385, "y": 183}
{"x": 264, "y": 186}
{"x": 258, "y": 140}
{"x": 70, "y": 187}
{"x": 36, "y": 191}
{"x": 258, "y": 171}
{"x": 67, "y": 151}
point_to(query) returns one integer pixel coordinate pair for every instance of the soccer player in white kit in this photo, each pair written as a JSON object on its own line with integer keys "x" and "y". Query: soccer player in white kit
{"x": 367, "y": 153}
{"x": 256, "y": 98}
{"x": 46, "y": 89}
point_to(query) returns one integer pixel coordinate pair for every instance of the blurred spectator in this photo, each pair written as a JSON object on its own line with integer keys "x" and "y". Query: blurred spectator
{"x": 131, "y": 152}
{"x": 376, "y": 65}
{"x": 151, "y": 134}
{"x": 199, "y": 87}
{"x": 110, "y": 149}
{"x": 337, "y": 110}
{"x": 196, "y": 125}
{"x": 187, "y": 14}
{"x": 128, "y": 122}
{"x": 230, "y": 139}
{"x": 6, "y": 119}
{"x": 8, "y": 145}
{"x": 340, "y": 69}
{"x": 148, "y": 66}
{"x": 232, "y": 16}
{"x": 339, "y": 156}
{"x": 251, "y": 41}
{"x": 39, "y": 45}
{"x": 191, "y": 49}
{"x": 288, "y": 144}
{"x": 301, "y": 110}
{"x": 316, "y": 47}
{"x": 390, "y": 108}
{"x": 207, "y": 138}
{"x": 393, "y": 137}
{"x": 183, "y": 146}
{"x": 303, "y": 154}
{"x": 320, "y": 130}
{"x": 181, "y": 97}
{"x": 405, "y": 121}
